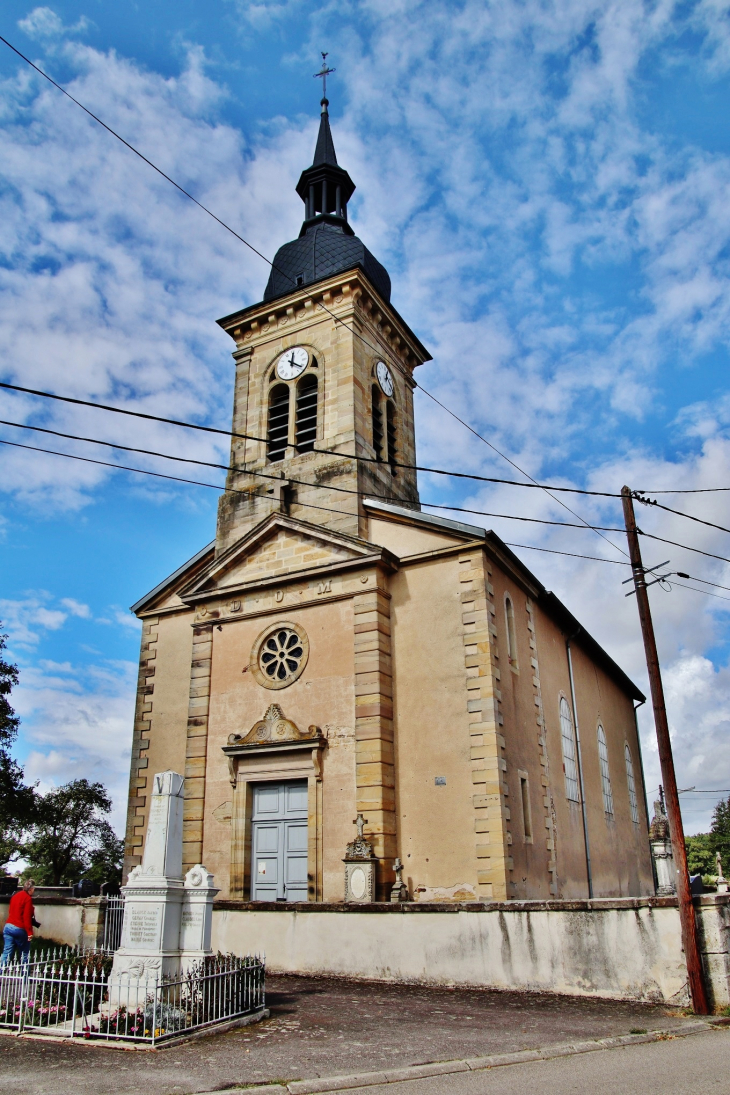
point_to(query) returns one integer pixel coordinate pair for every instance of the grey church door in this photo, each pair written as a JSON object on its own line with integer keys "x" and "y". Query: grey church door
{"x": 279, "y": 842}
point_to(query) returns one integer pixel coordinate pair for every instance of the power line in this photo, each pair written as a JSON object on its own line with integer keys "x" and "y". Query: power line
{"x": 288, "y": 278}
{"x": 691, "y": 578}
{"x": 263, "y": 475}
{"x": 232, "y": 490}
{"x": 136, "y": 151}
{"x": 519, "y": 469}
{"x": 262, "y": 440}
{"x": 186, "y": 193}
{"x": 689, "y": 516}
{"x": 572, "y": 554}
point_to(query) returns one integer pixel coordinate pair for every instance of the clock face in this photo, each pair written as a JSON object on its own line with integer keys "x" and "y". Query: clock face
{"x": 385, "y": 380}
{"x": 292, "y": 363}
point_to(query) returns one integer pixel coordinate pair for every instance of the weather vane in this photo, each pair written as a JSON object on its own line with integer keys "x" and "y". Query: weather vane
{"x": 324, "y": 73}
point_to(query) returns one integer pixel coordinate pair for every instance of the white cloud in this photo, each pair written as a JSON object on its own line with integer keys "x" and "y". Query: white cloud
{"x": 26, "y": 619}
{"x": 75, "y": 608}
{"x": 44, "y": 24}
{"x": 77, "y": 722}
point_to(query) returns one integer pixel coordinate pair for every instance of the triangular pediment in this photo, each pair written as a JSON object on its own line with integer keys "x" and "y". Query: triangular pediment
{"x": 279, "y": 547}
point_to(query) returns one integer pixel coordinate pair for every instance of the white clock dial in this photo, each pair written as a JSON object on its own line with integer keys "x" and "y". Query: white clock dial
{"x": 292, "y": 363}
{"x": 385, "y": 380}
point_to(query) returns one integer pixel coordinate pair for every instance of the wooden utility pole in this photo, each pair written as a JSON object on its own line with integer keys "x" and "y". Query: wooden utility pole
{"x": 687, "y": 917}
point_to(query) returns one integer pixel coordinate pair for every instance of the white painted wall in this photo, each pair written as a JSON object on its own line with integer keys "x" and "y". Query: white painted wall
{"x": 626, "y": 950}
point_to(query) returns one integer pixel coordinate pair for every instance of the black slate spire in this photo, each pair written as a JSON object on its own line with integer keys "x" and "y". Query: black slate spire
{"x": 326, "y": 245}
{"x": 325, "y": 150}
{"x": 325, "y": 188}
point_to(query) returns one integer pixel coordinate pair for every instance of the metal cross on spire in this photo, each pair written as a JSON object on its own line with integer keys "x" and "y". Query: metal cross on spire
{"x": 324, "y": 73}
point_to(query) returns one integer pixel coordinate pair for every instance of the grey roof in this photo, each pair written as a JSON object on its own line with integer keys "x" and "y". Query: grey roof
{"x": 325, "y": 150}
{"x": 323, "y": 250}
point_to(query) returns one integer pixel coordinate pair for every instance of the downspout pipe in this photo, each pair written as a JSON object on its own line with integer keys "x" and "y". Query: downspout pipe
{"x": 589, "y": 872}
{"x": 641, "y": 761}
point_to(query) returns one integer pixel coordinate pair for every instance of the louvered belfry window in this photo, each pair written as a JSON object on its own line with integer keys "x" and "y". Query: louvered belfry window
{"x": 390, "y": 430}
{"x": 278, "y": 432}
{"x": 306, "y": 420}
{"x": 377, "y": 424}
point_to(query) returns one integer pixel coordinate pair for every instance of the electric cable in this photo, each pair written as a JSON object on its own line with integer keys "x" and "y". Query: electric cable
{"x": 274, "y": 267}
{"x": 186, "y": 193}
{"x": 264, "y": 475}
{"x": 430, "y": 505}
{"x": 689, "y": 516}
{"x": 325, "y": 452}
{"x": 504, "y": 457}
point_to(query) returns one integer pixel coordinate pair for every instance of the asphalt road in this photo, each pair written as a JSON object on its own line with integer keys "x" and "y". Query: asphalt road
{"x": 696, "y": 1065}
{"x": 329, "y": 1027}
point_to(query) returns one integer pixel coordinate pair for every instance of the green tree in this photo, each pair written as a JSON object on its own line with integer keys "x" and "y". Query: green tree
{"x": 720, "y": 833}
{"x": 106, "y": 859}
{"x": 16, "y": 799}
{"x": 700, "y": 856}
{"x": 70, "y": 827}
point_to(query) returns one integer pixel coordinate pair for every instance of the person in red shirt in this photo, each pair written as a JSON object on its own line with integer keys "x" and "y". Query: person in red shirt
{"x": 18, "y": 931}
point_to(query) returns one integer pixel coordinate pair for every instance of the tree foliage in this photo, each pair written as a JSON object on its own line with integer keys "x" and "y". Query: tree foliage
{"x": 700, "y": 856}
{"x": 16, "y": 799}
{"x": 69, "y": 833}
{"x": 720, "y": 834}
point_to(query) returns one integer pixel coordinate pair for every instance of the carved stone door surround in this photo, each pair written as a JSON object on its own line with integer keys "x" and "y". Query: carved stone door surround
{"x": 274, "y": 749}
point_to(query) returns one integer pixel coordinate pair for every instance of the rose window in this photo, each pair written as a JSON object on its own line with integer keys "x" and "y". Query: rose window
{"x": 281, "y": 654}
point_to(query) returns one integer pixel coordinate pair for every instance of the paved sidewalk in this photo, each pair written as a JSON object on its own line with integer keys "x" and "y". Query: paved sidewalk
{"x": 324, "y": 1028}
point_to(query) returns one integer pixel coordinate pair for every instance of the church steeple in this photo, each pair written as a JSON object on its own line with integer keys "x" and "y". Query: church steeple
{"x": 326, "y": 243}
{"x": 325, "y": 187}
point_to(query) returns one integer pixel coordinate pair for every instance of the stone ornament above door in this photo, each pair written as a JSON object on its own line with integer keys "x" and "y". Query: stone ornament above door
{"x": 279, "y": 655}
{"x": 274, "y": 733}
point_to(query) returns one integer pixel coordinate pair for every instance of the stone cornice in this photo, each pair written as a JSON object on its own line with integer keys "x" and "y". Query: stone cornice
{"x": 348, "y": 296}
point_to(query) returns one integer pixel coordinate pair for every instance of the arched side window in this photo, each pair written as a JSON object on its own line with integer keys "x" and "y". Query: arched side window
{"x": 509, "y": 615}
{"x": 306, "y": 413}
{"x": 377, "y": 423}
{"x": 278, "y": 432}
{"x": 390, "y": 433}
{"x": 567, "y": 738}
{"x": 605, "y": 774}
{"x": 633, "y": 804}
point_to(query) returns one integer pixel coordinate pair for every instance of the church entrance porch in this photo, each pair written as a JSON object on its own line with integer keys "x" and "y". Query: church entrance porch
{"x": 280, "y": 841}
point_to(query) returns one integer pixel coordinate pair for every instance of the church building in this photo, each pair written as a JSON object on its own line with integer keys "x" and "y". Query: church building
{"x": 336, "y": 651}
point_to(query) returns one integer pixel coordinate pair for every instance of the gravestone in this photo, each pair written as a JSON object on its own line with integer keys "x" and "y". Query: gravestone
{"x": 360, "y": 863}
{"x": 661, "y": 850}
{"x": 167, "y": 919}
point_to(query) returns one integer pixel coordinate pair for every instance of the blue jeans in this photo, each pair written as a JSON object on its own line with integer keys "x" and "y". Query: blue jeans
{"x": 15, "y": 939}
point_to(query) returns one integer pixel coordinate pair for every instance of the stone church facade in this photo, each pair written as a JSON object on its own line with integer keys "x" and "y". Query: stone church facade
{"x": 337, "y": 651}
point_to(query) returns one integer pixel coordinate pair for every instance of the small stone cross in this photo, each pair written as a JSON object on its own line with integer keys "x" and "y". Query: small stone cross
{"x": 398, "y": 868}
{"x": 361, "y": 822}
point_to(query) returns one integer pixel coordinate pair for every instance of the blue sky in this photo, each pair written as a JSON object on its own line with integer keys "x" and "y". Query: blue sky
{"x": 547, "y": 185}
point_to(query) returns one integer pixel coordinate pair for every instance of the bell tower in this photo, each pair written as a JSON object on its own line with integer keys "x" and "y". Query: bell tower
{"x": 324, "y": 375}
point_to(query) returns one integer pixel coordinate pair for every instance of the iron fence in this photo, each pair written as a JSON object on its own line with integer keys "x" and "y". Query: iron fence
{"x": 78, "y": 996}
{"x": 113, "y": 921}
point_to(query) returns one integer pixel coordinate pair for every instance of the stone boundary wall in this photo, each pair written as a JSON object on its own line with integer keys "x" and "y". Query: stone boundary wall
{"x": 75, "y": 921}
{"x": 626, "y": 948}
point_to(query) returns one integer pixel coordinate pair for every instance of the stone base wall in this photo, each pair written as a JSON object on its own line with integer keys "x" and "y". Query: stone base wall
{"x": 76, "y": 922}
{"x": 625, "y": 949}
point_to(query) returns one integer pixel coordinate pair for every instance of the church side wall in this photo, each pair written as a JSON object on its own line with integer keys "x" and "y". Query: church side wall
{"x": 160, "y": 719}
{"x": 525, "y": 753}
{"x": 437, "y": 839}
{"x": 620, "y": 856}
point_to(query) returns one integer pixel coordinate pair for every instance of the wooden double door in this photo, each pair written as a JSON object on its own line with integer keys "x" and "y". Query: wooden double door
{"x": 279, "y": 841}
